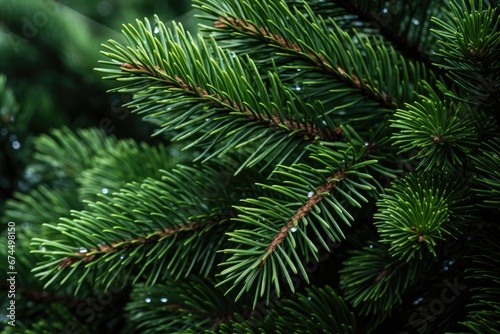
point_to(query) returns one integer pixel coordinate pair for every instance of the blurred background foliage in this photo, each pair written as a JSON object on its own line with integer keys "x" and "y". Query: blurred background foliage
{"x": 48, "y": 50}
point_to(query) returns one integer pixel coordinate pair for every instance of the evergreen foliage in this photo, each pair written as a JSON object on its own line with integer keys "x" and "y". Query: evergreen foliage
{"x": 325, "y": 166}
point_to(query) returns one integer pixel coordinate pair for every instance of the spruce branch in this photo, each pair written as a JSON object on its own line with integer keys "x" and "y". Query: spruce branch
{"x": 482, "y": 275}
{"x": 321, "y": 104}
{"x": 155, "y": 237}
{"x": 373, "y": 281}
{"x": 129, "y": 161}
{"x": 183, "y": 84}
{"x": 441, "y": 133}
{"x": 487, "y": 179}
{"x": 318, "y": 60}
{"x": 470, "y": 51}
{"x": 151, "y": 232}
{"x": 420, "y": 211}
{"x": 326, "y": 47}
{"x": 68, "y": 152}
{"x": 302, "y": 212}
{"x": 268, "y": 250}
{"x": 41, "y": 205}
{"x": 275, "y": 121}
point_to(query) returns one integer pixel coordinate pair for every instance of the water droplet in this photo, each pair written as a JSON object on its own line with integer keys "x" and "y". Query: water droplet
{"x": 83, "y": 250}
{"x": 367, "y": 143}
{"x": 323, "y": 122}
{"x": 297, "y": 87}
{"x": 309, "y": 298}
{"x": 164, "y": 300}
{"x": 293, "y": 229}
{"x": 310, "y": 194}
{"x": 370, "y": 245}
{"x": 445, "y": 268}
{"x": 31, "y": 175}
{"x": 42, "y": 248}
{"x": 418, "y": 301}
{"x": 416, "y": 22}
{"x": 147, "y": 300}
{"x": 298, "y": 70}
{"x": 122, "y": 257}
{"x": 156, "y": 30}
{"x": 233, "y": 55}
{"x": 16, "y": 145}
{"x": 385, "y": 10}
{"x": 104, "y": 191}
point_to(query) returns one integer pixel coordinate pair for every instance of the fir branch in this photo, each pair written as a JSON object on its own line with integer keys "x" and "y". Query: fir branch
{"x": 441, "y": 133}
{"x": 470, "y": 51}
{"x": 263, "y": 255}
{"x": 487, "y": 180}
{"x": 144, "y": 216}
{"x": 367, "y": 66}
{"x": 206, "y": 83}
{"x": 307, "y": 131}
{"x": 302, "y": 212}
{"x": 67, "y": 153}
{"x": 314, "y": 58}
{"x": 482, "y": 275}
{"x": 156, "y": 237}
{"x": 420, "y": 211}
{"x": 318, "y": 195}
{"x": 373, "y": 281}
{"x": 127, "y": 162}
